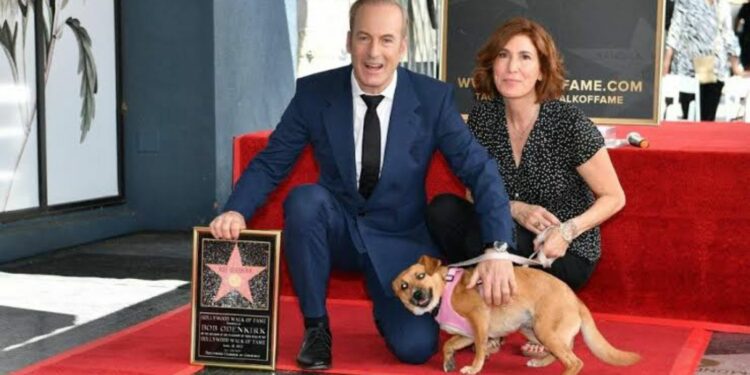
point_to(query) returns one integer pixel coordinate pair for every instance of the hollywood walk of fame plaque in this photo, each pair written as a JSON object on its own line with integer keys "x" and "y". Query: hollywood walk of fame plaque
{"x": 235, "y": 299}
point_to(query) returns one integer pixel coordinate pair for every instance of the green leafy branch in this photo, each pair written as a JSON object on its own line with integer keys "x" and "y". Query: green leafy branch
{"x": 87, "y": 69}
{"x": 52, "y": 33}
{"x": 86, "y": 64}
{"x": 8, "y": 41}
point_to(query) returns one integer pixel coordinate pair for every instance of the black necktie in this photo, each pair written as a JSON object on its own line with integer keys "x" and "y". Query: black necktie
{"x": 368, "y": 175}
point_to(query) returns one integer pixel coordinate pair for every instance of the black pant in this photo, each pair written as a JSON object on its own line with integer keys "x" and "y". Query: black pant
{"x": 454, "y": 225}
{"x": 710, "y": 96}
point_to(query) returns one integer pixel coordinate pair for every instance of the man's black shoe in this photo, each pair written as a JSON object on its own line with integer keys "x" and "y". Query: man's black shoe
{"x": 315, "y": 353}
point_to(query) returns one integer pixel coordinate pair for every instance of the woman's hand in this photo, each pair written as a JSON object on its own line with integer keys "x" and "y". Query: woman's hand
{"x": 667, "y": 62}
{"x": 532, "y": 217}
{"x": 668, "y": 52}
{"x": 738, "y": 71}
{"x": 552, "y": 244}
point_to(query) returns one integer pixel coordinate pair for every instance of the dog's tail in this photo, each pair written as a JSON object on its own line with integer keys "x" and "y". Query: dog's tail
{"x": 601, "y": 348}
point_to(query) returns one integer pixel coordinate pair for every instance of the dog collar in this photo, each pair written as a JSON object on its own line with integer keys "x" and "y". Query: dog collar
{"x": 435, "y": 311}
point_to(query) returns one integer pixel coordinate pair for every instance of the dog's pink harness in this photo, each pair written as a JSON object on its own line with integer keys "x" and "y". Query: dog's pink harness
{"x": 447, "y": 317}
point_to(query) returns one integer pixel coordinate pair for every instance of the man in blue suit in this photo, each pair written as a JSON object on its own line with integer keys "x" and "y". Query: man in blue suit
{"x": 367, "y": 210}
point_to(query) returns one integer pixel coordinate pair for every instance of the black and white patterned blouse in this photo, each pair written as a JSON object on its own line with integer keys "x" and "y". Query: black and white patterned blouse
{"x": 562, "y": 139}
{"x": 701, "y": 29}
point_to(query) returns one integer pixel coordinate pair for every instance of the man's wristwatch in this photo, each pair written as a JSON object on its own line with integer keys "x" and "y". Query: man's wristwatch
{"x": 568, "y": 231}
{"x": 497, "y": 246}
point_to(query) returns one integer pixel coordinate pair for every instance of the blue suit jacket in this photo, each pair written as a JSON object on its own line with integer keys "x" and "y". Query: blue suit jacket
{"x": 390, "y": 225}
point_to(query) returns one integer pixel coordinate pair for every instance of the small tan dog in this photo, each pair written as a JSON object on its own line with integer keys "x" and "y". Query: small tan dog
{"x": 544, "y": 309}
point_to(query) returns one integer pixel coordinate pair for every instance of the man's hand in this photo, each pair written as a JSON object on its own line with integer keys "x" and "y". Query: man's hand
{"x": 498, "y": 281}
{"x": 228, "y": 225}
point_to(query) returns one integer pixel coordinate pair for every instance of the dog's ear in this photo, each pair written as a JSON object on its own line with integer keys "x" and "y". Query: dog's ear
{"x": 430, "y": 264}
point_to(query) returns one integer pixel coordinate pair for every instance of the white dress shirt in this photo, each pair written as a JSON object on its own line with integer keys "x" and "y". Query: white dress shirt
{"x": 384, "y": 115}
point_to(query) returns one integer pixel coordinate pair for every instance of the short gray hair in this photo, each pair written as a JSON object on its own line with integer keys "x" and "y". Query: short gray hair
{"x": 359, "y": 3}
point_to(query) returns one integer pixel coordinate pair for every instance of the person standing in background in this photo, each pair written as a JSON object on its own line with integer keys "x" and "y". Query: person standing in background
{"x": 742, "y": 29}
{"x": 701, "y": 43}
{"x": 668, "y": 14}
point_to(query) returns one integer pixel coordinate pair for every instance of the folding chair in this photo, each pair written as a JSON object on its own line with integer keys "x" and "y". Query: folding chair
{"x": 733, "y": 100}
{"x": 671, "y": 87}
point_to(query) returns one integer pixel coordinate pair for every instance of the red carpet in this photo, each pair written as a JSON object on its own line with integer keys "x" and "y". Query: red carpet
{"x": 161, "y": 346}
{"x": 358, "y": 349}
{"x": 158, "y": 346}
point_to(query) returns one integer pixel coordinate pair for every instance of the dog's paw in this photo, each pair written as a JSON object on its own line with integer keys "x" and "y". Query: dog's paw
{"x": 540, "y": 362}
{"x": 470, "y": 370}
{"x": 494, "y": 344}
{"x": 449, "y": 364}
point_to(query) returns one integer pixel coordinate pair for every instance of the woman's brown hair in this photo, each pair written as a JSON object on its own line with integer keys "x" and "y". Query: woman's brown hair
{"x": 550, "y": 61}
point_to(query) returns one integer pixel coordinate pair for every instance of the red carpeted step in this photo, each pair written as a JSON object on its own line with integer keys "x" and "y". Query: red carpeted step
{"x": 682, "y": 232}
{"x": 161, "y": 346}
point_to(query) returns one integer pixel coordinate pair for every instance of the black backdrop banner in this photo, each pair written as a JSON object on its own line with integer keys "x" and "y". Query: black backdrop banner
{"x": 611, "y": 50}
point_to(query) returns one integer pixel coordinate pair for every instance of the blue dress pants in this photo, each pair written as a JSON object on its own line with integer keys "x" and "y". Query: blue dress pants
{"x": 316, "y": 240}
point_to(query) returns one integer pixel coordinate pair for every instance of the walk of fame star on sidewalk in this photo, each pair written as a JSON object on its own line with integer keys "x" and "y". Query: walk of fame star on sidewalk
{"x": 235, "y": 276}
